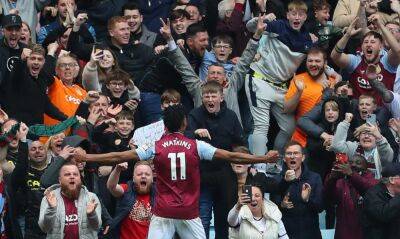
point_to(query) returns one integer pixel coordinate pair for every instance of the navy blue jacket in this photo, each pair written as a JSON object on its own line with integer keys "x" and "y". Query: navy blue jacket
{"x": 301, "y": 222}
{"x": 224, "y": 128}
{"x": 297, "y": 41}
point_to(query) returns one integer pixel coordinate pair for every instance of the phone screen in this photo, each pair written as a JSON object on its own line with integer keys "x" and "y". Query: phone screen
{"x": 371, "y": 119}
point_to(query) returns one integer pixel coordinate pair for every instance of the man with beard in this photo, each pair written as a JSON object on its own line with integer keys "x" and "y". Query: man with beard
{"x": 176, "y": 163}
{"x": 68, "y": 209}
{"x": 305, "y": 90}
{"x": 10, "y": 47}
{"x": 372, "y": 54}
{"x": 345, "y": 186}
{"x": 135, "y": 201}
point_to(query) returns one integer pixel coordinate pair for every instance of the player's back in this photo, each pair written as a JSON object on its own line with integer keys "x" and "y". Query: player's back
{"x": 176, "y": 163}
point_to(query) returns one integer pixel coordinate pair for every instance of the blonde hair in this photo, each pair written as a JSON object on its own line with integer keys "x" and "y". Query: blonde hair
{"x": 297, "y": 5}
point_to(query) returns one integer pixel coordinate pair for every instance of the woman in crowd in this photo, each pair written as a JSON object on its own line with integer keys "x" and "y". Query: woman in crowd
{"x": 256, "y": 217}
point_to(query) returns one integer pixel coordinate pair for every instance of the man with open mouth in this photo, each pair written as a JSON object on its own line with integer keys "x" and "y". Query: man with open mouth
{"x": 10, "y": 47}
{"x": 135, "y": 200}
{"x": 282, "y": 50}
{"x": 28, "y": 80}
{"x": 176, "y": 163}
{"x": 300, "y": 196}
{"x": 305, "y": 90}
{"x": 385, "y": 62}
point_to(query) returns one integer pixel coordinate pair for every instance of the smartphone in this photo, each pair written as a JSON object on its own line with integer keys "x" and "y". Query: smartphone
{"x": 247, "y": 190}
{"x": 342, "y": 158}
{"x": 371, "y": 119}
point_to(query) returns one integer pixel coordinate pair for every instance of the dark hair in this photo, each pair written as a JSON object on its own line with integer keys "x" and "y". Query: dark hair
{"x": 222, "y": 38}
{"x": 177, "y": 14}
{"x": 340, "y": 84}
{"x": 193, "y": 29}
{"x": 260, "y": 186}
{"x": 130, "y": 6}
{"x": 292, "y": 143}
{"x": 321, "y": 5}
{"x": 374, "y": 34}
{"x": 124, "y": 115}
{"x": 317, "y": 50}
{"x": 193, "y": 5}
{"x": 174, "y": 117}
{"x": 119, "y": 75}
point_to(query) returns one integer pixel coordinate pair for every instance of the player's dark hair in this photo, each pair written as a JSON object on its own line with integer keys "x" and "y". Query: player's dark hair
{"x": 130, "y": 6}
{"x": 174, "y": 117}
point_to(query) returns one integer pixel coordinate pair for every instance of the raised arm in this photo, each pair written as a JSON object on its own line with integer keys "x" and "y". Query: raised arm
{"x": 394, "y": 52}
{"x": 112, "y": 183}
{"x": 339, "y": 143}
{"x": 243, "y": 66}
{"x": 338, "y": 56}
{"x": 182, "y": 65}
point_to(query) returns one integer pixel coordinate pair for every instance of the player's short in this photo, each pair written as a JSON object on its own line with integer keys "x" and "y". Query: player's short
{"x": 165, "y": 228}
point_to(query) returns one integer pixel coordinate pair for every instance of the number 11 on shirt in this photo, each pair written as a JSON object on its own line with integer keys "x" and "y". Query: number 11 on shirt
{"x": 182, "y": 160}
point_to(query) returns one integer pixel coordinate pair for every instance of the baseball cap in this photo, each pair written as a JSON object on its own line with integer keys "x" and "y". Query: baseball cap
{"x": 12, "y": 20}
{"x": 391, "y": 170}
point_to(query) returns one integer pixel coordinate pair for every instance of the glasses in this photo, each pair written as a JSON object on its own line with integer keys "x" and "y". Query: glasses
{"x": 115, "y": 84}
{"x": 65, "y": 65}
{"x": 222, "y": 47}
{"x": 295, "y": 154}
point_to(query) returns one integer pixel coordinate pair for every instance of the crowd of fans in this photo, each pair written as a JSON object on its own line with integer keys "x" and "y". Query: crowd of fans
{"x": 81, "y": 80}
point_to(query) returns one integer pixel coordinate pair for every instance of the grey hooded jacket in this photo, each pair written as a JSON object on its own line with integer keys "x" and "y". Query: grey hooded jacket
{"x": 52, "y": 220}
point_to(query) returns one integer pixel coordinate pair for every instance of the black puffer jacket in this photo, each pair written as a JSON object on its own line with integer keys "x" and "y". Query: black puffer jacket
{"x": 381, "y": 214}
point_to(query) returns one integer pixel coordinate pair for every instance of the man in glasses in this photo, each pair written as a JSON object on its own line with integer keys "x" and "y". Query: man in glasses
{"x": 62, "y": 91}
{"x": 300, "y": 194}
{"x": 222, "y": 46}
{"x": 382, "y": 205}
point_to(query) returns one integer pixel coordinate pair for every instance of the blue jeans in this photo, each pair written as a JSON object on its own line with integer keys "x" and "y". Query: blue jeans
{"x": 206, "y": 204}
{"x": 150, "y": 107}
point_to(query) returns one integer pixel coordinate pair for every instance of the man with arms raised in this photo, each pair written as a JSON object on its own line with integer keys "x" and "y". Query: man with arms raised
{"x": 372, "y": 54}
{"x": 176, "y": 163}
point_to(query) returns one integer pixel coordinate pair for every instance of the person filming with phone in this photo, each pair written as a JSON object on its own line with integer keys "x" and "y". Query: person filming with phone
{"x": 254, "y": 216}
{"x": 371, "y": 144}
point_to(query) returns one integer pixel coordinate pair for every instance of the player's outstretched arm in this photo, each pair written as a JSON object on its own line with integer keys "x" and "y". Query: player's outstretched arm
{"x": 108, "y": 158}
{"x": 242, "y": 158}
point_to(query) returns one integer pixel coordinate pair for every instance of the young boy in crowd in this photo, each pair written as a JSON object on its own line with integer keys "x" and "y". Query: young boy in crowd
{"x": 118, "y": 84}
{"x": 222, "y": 46}
{"x": 282, "y": 50}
